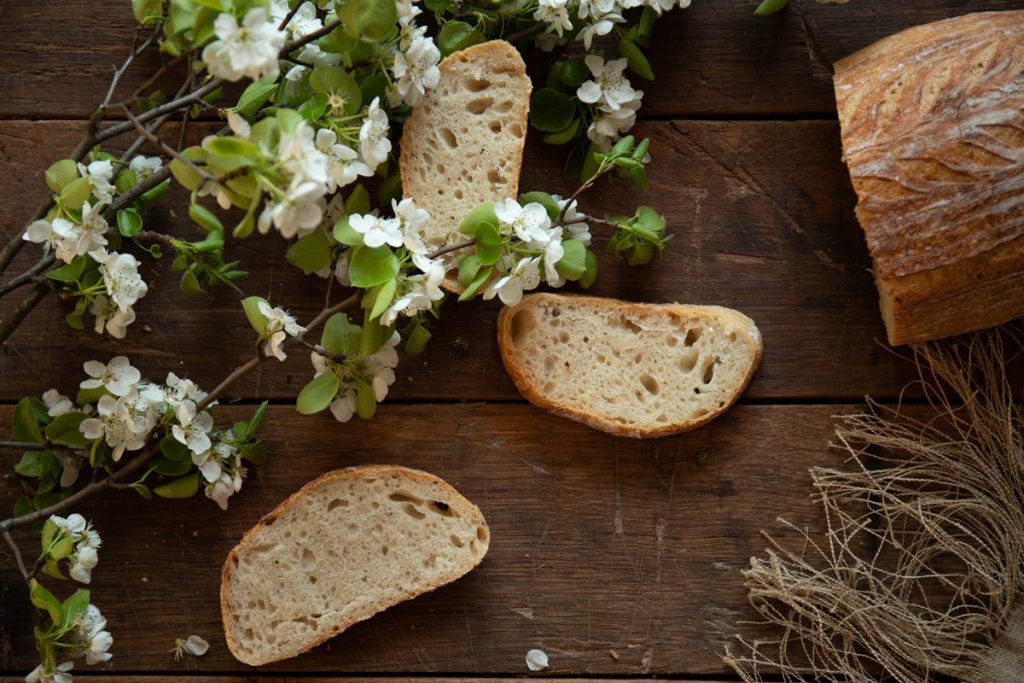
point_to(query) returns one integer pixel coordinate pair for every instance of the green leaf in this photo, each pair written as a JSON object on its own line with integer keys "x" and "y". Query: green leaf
{"x": 69, "y": 272}
{"x": 574, "y": 72}
{"x": 173, "y": 449}
{"x": 30, "y": 465}
{"x": 345, "y": 234}
{"x": 218, "y": 5}
{"x": 251, "y": 306}
{"x": 125, "y": 180}
{"x": 129, "y": 222}
{"x": 288, "y": 120}
{"x": 145, "y": 9}
{"x": 366, "y": 401}
{"x": 372, "y": 266}
{"x": 370, "y": 20}
{"x": 590, "y": 274}
{"x": 358, "y": 201}
{"x": 48, "y": 534}
{"x": 384, "y": 295}
{"x": 416, "y": 340}
{"x": 374, "y": 86}
{"x": 142, "y": 490}
{"x": 253, "y": 451}
{"x": 185, "y": 487}
{"x": 46, "y": 601}
{"x": 171, "y": 468}
{"x": 335, "y": 80}
{"x": 551, "y": 111}
{"x": 204, "y": 218}
{"x": 477, "y": 217}
{"x": 482, "y": 277}
{"x": 489, "y": 244}
{"x": 190, "y": 284}
{"x": 457, "y": 35}
{"x": 60, "y": 174}
{"x": 64, "y": 430}
{"x": 51, "y": 568}
{"x": 26, "y": 427}
{"x": 318, "y": 394}
{"x": 564, "y": 136}
{"x": 62, "y": 548}
{"x": 310, "y": 253}
{"x": 544, "y": 199}
{"x": 770, "y": 7}
{"x": 390, "y": 189}
{"x": 245, "y": 227}
{"x": 230, "y": 147}
{"x": 255, "y": 96}
{"x": 340, "y": 336}
{"x": 85, "y": 396}
{"x": 372, "y": 338}
{"x": 75, "y": 605}
{"x": 469, "y": 266}
{"x": 186, "y": 176}
{"x": 638, "y": 63}
{"x": 75, "y": 193}
{"x": 314, "y": 107}
{"x": 573, "y": 263}
{"x": 646, "y": 25}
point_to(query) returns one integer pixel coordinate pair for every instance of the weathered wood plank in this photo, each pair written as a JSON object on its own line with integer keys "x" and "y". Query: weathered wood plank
{"x": 715, "y": 58}
{"x": 256, "y": 678}
{"x": 762, "y": 218}
{"x": 598, "y": 543}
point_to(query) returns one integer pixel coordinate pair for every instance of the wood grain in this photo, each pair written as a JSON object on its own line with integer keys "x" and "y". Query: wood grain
{"x": 761, "y": 214}
{"x": 598, "y": 543}
{"x": 714, "y": 59}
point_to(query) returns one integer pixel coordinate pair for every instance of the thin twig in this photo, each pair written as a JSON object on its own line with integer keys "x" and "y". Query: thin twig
{"x": 153, "y": 236}
{"x": 288, "y": 17}
{"x": 525, "y": 33}
{"x": 26, "y": 445}
{"x": 450, "y": 248}
{"x": 28, "y": 276}
{"x": 164, "y": 146}
{"x": 309, "y": 38}
{"x": 321, "y": 351}
{"x": 156, "y": 112}
{"x": 159, "y": 72}
{"x": 25, "y": 307}
{"x": 97, "y": 116}
{"x": 17, "y": 556}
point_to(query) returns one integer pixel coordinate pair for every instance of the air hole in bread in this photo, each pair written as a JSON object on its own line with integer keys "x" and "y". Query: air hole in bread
{"x": 650, "y": 384}
{"x": 308, "y": 559}
{"x": 456, "y": 541}
{"x": 732, "y": 336}
{"x": 709, "y": 370}
{"x": 442, "y": 508}
{"x": 671, "y": 340}
{"x": 384, "y": 550}
{"x": 336, "y": 503}
{"x": 495, "y": 127}
{"x": 479, "y": 105}
{"x": 549, "y": 386}
{"x": 477, "y": 84}
{"x": 693, "y": 335}
{"x": 481, "y": 533}
{"x": 449, "y": 138}
{"x": 688, "y": 360}
{"x": 516, "y": 129}
{"x": 312, "y": 579}
{"x": 563, "y": 337}
{"x": 522, "y": 323}
{"x": 264, "y": 548}
{"x": 627, "y": 324}
{"x": 661, "y": 418}
{"x": 473, "y": 548}
{"x": 411, "y": 510}
{"x": 495, "y": 177}
{"x": 458, "y": 194}
{"x": 503, "y": 107}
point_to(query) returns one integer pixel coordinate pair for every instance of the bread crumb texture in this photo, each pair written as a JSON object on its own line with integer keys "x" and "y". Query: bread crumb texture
{"x": 345, "y": 547}
{"x": 631, "y": 369}
{"x": 463, "y": 142}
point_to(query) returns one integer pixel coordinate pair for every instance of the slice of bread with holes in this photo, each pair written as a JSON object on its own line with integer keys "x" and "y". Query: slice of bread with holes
{"x": 462, "y": 145}
{"x": 344, "y": 547}
{"x": 639, "y": 370}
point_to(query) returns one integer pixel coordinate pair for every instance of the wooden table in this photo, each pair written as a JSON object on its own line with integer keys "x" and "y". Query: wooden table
{"x": 619, "y": 558}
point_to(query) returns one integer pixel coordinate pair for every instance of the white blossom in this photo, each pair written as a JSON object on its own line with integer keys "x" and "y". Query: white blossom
{"x": 73, "y": 525}
{"x": 509, "y": 288}
{"x": 59, "y": 675}
{"x": 121, "y": 277}
{"x": 413, "y": 220}
{"x": 57, "y": 403}
{"x": 145, "y": 166}
{"x": 99, "y": 174}
{"x": 536, "y": 660}
{"x": 249, "y": 50}
{"x": 416, "y": 69}
{"x": 530, "y": 223}
{"x": 374, "y": 143}
{"x": 575, "y": 221}
{"x": 298, "y": 213}
{"x": 82, "y": 563}
{"x": 193, "y": 645}
{"x": 193, "y": 428}
{"x": 301, "y": 157}
{"x": 343, "y": 164}
{"x": 110, "y": 318}
{"x": 71, "y": 466}
{"x": 279, "y": 326}
{"x": 42, "y": 232}
{"x": 555, "y": 13}
{"x": 118, "y": 376}
{"x": 600, "y": 16}
{"x": 116, "y": 425}
{"x": 91, "y": 631}
{"x": 377, "y": 231}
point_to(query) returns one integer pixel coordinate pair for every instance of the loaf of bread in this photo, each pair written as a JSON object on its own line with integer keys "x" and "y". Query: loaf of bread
{"x": 639, "y": 370}
{"x": 462, "y": 145}
{"x": 346, "y": 546}
{"x": 933, "y": 132}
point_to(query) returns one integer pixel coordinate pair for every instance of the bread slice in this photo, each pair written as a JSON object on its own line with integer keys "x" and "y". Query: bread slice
{"x": 344, "y": 547}
{"x": 639, "y": 370}
{"x": 462, "y": 145}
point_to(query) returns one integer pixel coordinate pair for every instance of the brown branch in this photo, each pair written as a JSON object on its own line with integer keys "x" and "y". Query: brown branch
{"x": 164, "y": 146}
{"x": 309, "y": 38}
{"x": 288, "y": 17}
{"x": 450, "y": 248}
{"x": 156, "y": 112}
{"x": 22, "y": 310}
{"x": 28, "y": 276}
{"x": 525, "y": 33}
{"x": 26, "y": 445}
{"x": 17, "y": 556}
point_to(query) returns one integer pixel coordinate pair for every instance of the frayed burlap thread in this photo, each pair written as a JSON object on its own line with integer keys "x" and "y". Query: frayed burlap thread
{"x": 921, "y": 570}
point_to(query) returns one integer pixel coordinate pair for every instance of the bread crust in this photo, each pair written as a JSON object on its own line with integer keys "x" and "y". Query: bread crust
{"x": 532, "y": 392}
{"x": 452, "y": 496}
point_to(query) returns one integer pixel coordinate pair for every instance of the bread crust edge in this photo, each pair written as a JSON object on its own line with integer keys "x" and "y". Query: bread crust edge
{"x": 532, "y": 393}
{"x": 465, "y": 506}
